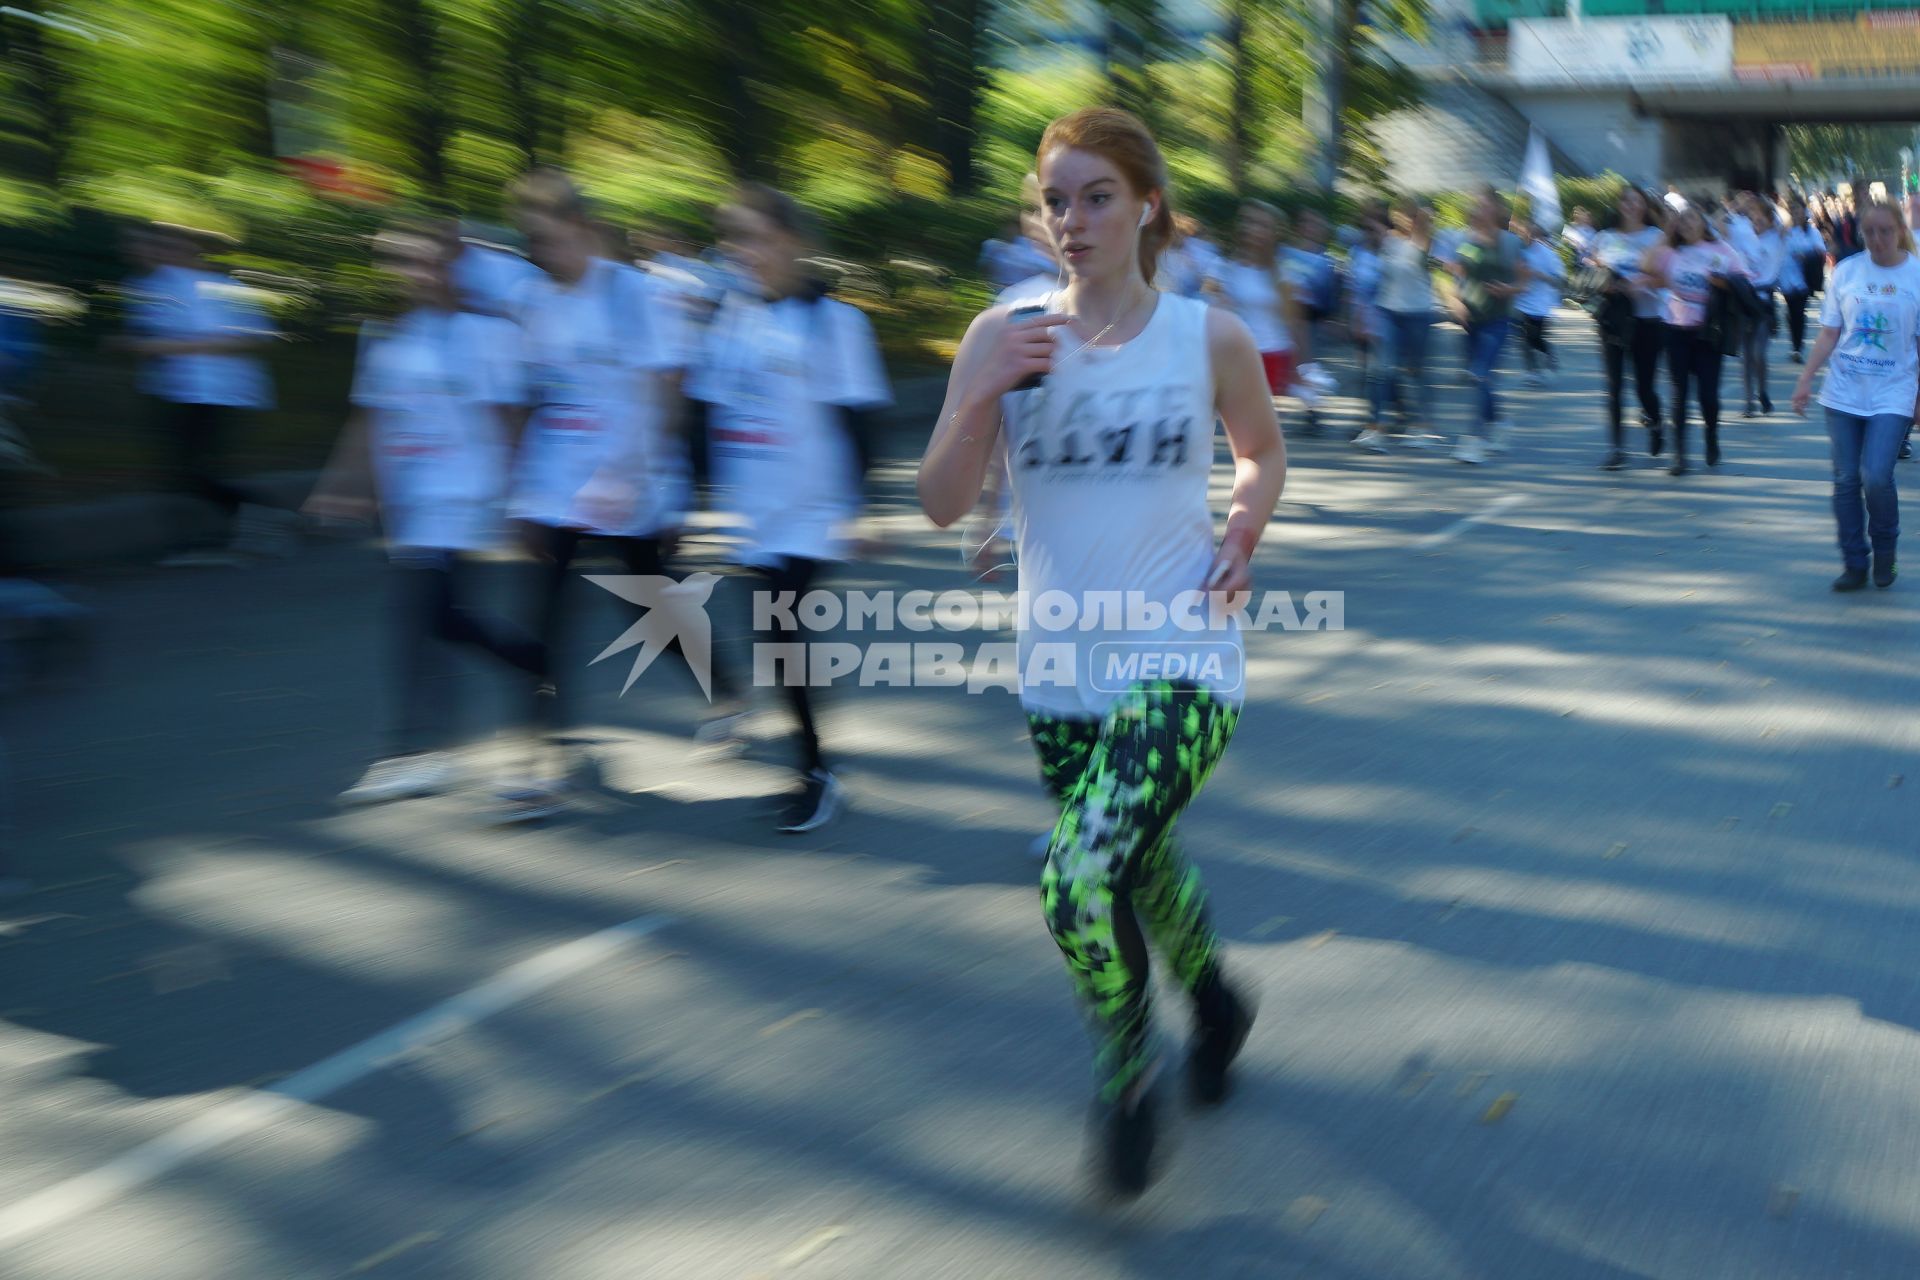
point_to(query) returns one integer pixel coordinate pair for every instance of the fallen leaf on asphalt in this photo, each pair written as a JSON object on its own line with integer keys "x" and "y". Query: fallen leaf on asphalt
{"x": 1304, "y": 1212}
{"x": 1781, "y": 1199}
{"x": 1498, "y": 1110}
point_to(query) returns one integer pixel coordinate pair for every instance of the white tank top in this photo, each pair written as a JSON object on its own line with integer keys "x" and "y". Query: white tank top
{"x": 1110, "y": 460}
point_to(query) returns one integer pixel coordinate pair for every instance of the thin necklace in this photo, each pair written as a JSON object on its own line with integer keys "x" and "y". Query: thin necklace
{"x": 1118, "y": 316}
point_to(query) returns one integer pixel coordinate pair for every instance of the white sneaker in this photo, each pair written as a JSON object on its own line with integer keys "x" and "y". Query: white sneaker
{"x": 401, "y": 778}
{"x": 724, "y": 735}
{"x": 1426, "y": 440}
{"x": 1041, "y": 843}
{"x": 530, "y": 801}
{"x": 1472, "y": 450}
{"x": 1373, "y": 440}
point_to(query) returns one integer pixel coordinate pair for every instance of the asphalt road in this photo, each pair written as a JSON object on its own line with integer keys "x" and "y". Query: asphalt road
{"x": 1576, "y": 875}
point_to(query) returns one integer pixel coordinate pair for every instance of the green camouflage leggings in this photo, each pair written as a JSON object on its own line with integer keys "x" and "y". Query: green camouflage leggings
{"x": 1121, "y": 783}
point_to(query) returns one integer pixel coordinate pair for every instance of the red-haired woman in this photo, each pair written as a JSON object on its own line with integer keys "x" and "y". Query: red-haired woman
{"x": 1110, "y": 459}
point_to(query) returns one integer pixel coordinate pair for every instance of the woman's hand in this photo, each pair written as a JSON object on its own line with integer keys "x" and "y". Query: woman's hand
{"x": 1231, "y": 572}
{"x": 1020, "y": 348}
{"x": 1802, "y": 394}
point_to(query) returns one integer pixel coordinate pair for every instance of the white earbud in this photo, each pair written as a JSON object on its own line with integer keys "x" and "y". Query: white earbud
{"x": 1146, "y": 215}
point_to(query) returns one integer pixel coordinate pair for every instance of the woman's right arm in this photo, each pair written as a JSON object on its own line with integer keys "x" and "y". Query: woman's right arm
{"x": 1816, "y": 359}
{"x": 997, "y": 354}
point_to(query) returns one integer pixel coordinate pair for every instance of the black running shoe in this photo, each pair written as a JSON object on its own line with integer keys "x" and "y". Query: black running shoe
{"x": 1656, "y": 442}
{"x": 1766, "y": 405}
{"x": 1851, "y": 579}
{"x": 1123, "y": 1138}
{"x": 1883, "y": 572}
{"x": 1215, "y": 1045}
{"x": 813, "y": 804}
{"x": 1906, "y": 452}
{"x": 1615, "y": 461}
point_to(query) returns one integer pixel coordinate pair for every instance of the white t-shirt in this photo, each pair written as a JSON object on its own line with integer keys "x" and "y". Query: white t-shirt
{"x": 433, "y": 383}
{"x": 1252, "y": 294}
{"x": 776, "y": 375}
{"x": 1690, "y": 272}
{"x": 1763, "y": 252}
{"x": 1406, "y": 281}
{"x": 1542, "y": 293}
{"x": 1008, "y": 262}
{"x": 491, "y": 280}
{"x": 587, "y": 349}
{"x": 186, "y": 304}
{"x": 1623, "y": 253}
{"x": 1111, "y": 462}
{"x": 1031, "y": 291}
{"x": 1874, "y": 368}
{"x": 1799, "y": 243}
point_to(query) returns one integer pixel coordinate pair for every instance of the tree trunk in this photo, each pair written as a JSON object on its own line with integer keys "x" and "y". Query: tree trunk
{"x": 526, "y": 37}
{"x": 1129, "y": 28}
{"x": 744, "y": 134}
{"x": 23, "y": 45}
{"x": 1338, "y": 22}
{"x": 956, "y": 83}
{"x": 1240, "y": 106}
{"x": 419, "y": 48}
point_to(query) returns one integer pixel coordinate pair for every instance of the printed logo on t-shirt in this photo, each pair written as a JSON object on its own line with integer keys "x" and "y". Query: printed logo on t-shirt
{"x": 1872, "y": 328}
{"x": 1083, "y": 442}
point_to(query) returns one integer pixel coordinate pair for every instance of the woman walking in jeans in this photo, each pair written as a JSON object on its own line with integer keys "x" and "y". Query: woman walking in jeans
{"x": 1689, "y": 267}
{"x": 1489, "y": 273}
{"x": 1868, "y": 329}
{"x": 1404, "y": 299}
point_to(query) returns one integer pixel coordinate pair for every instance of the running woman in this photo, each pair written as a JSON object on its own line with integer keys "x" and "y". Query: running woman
{"x": 1536, "y": 302}
{"x": 596, "y": 460}
{"x": 429, "y": 430}
{"x": 1489, "y": 273}
{"x": 1690, "y": 265}
{"x": 1251, "y": 285}
{"x": 199, "y": 342}
{"x": 1112, "y": 455}
{"x": 1621, "y": 251}
{"x": 792, "y": 380}
{"x": 1799, "y": 272}
{"x": 1869, "y": 328}
{"x": 1764, "y": 247}
{"x": 1405, "y": 298}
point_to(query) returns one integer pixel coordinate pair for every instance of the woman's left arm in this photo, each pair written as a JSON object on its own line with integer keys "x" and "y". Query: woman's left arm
{"x": 1245, "y": 405}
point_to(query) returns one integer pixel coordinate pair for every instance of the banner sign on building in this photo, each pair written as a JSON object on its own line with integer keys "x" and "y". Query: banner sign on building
{"x": 1874, "y": 44}
{"x": 1631, "y": 51}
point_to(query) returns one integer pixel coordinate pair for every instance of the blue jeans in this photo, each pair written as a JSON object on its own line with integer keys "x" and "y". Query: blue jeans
{"x": 1484, "y": 341}
{"x": 1403, "y": 366}
{"x": 1864, "y": 450}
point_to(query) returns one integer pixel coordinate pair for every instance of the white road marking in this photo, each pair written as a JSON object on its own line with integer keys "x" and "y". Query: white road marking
{"x": 1459, "y": 527}
{"x": 83, "y": 1193}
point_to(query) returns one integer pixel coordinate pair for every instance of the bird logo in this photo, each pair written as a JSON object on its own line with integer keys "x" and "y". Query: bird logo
{"x": 674, "y": 610}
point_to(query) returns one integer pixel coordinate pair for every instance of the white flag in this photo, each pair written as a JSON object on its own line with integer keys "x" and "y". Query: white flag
{"x": 1536, "y": 179}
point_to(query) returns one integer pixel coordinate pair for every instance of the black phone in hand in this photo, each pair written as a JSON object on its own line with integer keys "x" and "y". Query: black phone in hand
{"x": 1021, "y": 313}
